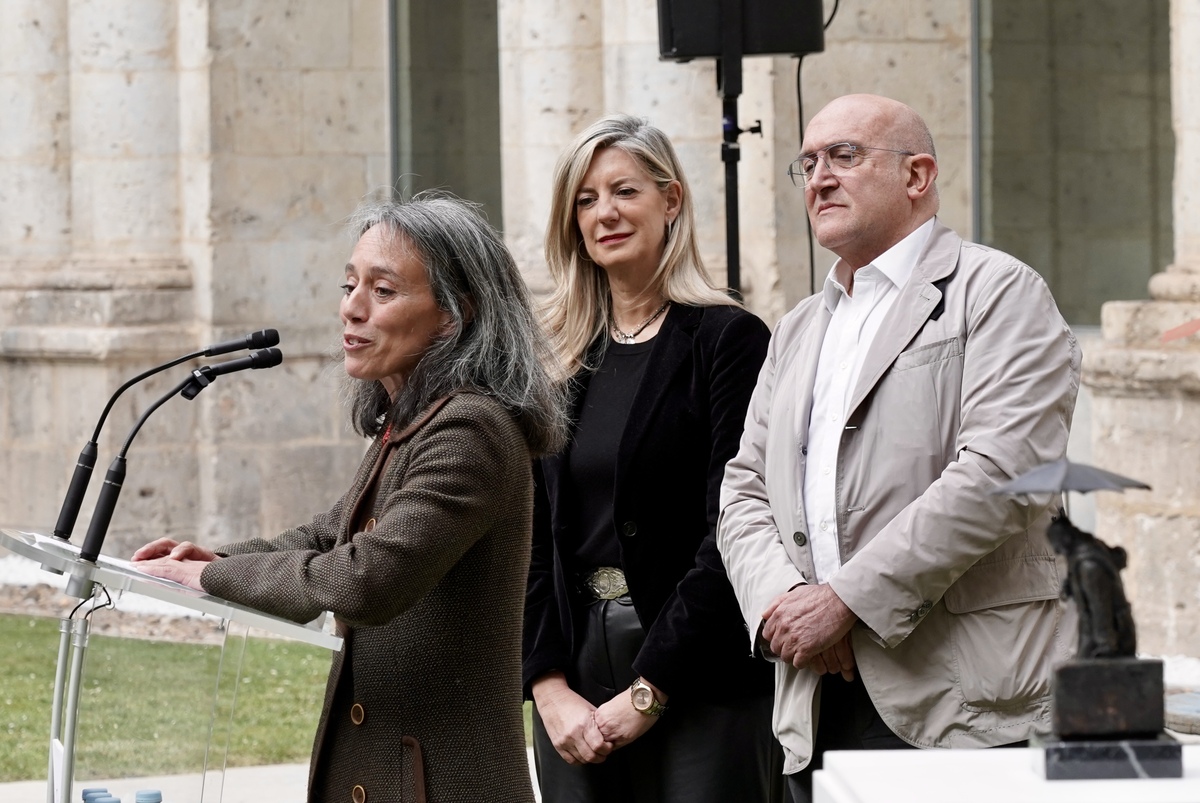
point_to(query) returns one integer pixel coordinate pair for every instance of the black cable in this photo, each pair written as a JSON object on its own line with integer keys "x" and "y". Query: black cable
{"x": 812, "y": 257}
{"x": 82, "y": 602}
{"x": 108, "y": 603}
{"x": 832, "y": 14}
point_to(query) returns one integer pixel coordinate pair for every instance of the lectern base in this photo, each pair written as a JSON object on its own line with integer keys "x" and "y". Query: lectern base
{"x": 1161, "y": 757}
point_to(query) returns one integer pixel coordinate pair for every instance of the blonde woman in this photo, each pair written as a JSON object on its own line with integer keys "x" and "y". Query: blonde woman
{"x": 635, "y": 651}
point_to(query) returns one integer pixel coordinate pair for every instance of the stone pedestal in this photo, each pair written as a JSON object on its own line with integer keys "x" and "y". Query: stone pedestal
{"x": 1161, "y": 757}
{"x": 1108, "y": 722}
{"x": 1108, "y": 697}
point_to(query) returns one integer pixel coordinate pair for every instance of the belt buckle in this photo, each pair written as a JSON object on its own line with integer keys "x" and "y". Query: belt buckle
{"x": 607, "y": 583}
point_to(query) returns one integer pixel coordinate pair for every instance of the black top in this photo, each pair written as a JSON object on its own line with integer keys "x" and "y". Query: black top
{"x": 682, "y": 426}
{"x": 592, "y": 463}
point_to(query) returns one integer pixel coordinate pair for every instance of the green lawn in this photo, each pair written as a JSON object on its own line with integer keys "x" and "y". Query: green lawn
{"x": 146, "y": 707}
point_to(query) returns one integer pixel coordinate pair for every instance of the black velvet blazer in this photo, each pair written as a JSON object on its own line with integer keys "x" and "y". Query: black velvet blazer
{"x": 684, "y": 425}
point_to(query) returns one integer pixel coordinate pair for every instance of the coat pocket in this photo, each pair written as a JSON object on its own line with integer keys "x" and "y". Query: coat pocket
{"x": 950, "y": 349}
{"x": 1004, "y": 656}
{"x": 412, "y": 770}
{"x": 1005, "y": 619}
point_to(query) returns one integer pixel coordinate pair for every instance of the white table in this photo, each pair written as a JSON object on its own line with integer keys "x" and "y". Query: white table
{"x": 1005, "y": 775}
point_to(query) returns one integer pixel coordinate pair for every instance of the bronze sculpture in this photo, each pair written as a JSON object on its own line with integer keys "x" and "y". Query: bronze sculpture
{"x": 1093, "y": 580}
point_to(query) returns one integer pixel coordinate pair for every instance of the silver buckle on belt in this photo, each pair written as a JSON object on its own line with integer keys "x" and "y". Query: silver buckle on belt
{"x": 606, "y": 583}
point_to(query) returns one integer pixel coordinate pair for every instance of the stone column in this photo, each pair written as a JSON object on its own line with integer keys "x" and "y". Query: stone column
{"x": 92, "y": 288}
{"x": 1146, "y": 417}
{"x": 35, "y": 222}
{"x": 35, "y": 141}
{"x": 124, "y": 128}
{"x": 551, "y": 86}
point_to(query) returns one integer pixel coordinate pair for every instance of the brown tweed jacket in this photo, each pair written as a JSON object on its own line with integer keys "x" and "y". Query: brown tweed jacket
{"x": 426, "y": 691}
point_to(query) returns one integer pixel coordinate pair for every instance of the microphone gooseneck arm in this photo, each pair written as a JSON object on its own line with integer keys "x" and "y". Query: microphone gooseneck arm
{"x": 115, "y": 478}
{"x": 73, "y": 500}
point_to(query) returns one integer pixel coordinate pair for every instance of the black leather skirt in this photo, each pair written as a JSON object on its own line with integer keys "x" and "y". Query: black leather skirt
{"x": 699, "y": 752}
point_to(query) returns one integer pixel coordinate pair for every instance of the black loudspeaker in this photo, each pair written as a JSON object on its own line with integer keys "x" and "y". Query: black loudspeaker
{"x": 691, "y": 29}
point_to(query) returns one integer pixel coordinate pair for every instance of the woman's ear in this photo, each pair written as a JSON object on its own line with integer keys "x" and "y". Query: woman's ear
{"x": 674, "y": 197}
{"x": 448, "y": 320}
{"x": 446, "y": 325}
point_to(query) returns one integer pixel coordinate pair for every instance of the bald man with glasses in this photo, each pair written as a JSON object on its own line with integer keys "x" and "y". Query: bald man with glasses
{"x": 902, "y": 602}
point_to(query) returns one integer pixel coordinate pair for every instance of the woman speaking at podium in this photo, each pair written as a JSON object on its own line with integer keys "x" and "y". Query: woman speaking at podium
{"x": 423, "y": 561}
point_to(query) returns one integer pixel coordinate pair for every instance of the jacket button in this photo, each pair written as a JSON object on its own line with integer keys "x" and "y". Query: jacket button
{"x": 358, "y": 794}
{"x": 629, "y": 528}
{"x": 925, "y": 608}
{"x": 800, "y": 538}
{"x": 357, "y": 714}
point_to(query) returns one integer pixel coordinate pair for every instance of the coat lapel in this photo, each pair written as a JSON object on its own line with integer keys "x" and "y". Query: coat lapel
{"x": 918, "y": 301}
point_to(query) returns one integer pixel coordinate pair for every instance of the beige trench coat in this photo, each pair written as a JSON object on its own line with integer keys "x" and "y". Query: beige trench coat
{"x": 970, "y": 381}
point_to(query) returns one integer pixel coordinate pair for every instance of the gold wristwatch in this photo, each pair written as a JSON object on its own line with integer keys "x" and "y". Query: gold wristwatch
{"x": 644, "y": 700}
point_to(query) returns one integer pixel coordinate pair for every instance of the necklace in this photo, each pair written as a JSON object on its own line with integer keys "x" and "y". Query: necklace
{"x": 627, "y": 338}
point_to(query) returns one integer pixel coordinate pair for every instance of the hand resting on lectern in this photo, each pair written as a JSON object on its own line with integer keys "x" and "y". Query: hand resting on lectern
{"x": 181, "y": 561}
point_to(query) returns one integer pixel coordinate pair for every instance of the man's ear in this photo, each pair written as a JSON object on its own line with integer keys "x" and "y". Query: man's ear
{"x": 922, "y": 171}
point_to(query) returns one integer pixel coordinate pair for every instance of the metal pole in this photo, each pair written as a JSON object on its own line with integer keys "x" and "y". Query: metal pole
{"x": 79, "y": 640}
{"x": 60, "y": 674}
{"x": 729, "y": 78}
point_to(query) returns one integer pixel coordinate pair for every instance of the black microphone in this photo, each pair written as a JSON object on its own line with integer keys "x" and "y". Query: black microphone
{"x": 87, "y": 458}
{"x": 261, "y": 339}
{"x": 203, "y": 376}
{"x": 189, "y": 388}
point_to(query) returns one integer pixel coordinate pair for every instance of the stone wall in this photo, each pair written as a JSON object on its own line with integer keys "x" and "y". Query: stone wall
{"x": 174, "y": 173}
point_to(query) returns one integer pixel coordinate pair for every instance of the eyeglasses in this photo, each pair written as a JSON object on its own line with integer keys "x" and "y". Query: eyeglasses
{"x": 839, "y": 158}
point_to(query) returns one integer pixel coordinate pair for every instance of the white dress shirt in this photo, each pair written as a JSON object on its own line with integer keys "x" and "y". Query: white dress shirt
{"x": 856, "y": 319}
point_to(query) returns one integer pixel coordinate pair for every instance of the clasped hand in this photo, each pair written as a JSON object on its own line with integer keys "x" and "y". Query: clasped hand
{"x": 181, "y": 561}
{"x": 809, "y": 626}
{"x": 581, "y": 732}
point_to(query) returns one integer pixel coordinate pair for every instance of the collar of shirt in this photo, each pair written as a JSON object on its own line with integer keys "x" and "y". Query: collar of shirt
{"x": 896, "y": 264}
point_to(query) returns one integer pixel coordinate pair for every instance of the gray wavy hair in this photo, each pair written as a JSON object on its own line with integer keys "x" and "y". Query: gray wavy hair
{"x": 494, "y": 345}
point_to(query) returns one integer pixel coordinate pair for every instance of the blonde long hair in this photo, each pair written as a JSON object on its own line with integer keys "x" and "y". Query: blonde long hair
{"x": 577, "y": 313}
